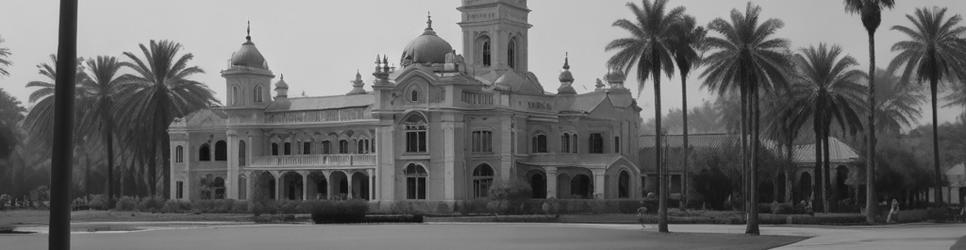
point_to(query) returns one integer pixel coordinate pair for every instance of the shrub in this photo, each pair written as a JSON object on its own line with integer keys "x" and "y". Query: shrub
{"x": 239, "y": 207}
{"x": 288, "y": 206}
{"x": 510, "y": 195}
{"x": 352, "y": 211}
{"x": 260, "y": 207}
{"x": 476, "y": 206}
{"x": 176, "y": 206}
{"x": 99, "y": 202}
{"x": 152, "y": 204}
{"x": 394, "y": 218}
{"x": 126, "y": 204}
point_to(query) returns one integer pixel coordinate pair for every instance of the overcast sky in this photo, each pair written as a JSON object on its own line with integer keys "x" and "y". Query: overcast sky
{"x": 319, "y": 45}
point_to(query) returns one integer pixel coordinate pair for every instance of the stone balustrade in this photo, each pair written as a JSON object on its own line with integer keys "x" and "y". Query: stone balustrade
{"x": 315, "y": 160}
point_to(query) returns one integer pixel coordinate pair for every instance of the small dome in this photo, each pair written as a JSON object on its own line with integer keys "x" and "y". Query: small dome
{"x": 566, "y": 89}
{"x": 248, "y": 56}
{"x": 615, "y": 76}
{"x": 426, "y": 48}
{"x": 281, "y": 83}
{"x": 516, "y": 83}
{"x": 566, "y": 76}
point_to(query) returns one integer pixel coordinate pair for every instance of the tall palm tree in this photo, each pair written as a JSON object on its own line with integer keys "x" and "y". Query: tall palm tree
{"x": 935, "y": 51}
{"x": 871, "y": 15}
{"x": 827, "y": 90}
{"x": 745, "y": 57}
{"x": 40, "y": 119}
{"x": 899, "y": 102}
{"x": 686, "y": 47}
{"x": 649, "y": 48}
{"x": 100, "y": 89}
{"x": 160, "y": 91}
{"x": 781, "y": 127}
{"x": 4, "y": 59}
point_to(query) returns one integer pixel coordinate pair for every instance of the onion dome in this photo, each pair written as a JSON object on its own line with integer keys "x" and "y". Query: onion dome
{"x": 518, "y": 84}
{"x": 615, "y": 76}
{"x": 357, "y": 85}
{"x": 566, "y": 79}
{"x": 427, "y": 48}
{"x": 248, "y": 55}
{"x": 280, "y": 84}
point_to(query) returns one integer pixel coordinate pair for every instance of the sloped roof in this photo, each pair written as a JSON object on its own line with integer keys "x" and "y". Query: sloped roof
{"x": 587, "y": 102}
{"x": 838, "y": 152}
{"x": 210, "y": 117}
{"x": 957, "y": 175}
{"x": 321, "y": 102}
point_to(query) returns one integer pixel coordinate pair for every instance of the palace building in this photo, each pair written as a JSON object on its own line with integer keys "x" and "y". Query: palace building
{"x": 443, "y": 126}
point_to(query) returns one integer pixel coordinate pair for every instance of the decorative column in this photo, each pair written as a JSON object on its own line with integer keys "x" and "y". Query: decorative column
{"x": 348, "y": 182}
{"x": 386, "y": 162}
{"x": 598, "y": 183}
{"x": 250, "y": 185}
{"x": 328, "y": 182}
{"x": 305, "y": 185}
{"x": 231, "y": 185}
{"x": 551, "y": 181}
{"x": 278, "y": 185}
{"x": 506, "y": 146}
{"x": 372, "y": 187}
{"x": 450, "y": 149}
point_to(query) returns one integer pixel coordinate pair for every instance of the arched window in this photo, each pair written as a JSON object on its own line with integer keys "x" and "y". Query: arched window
{"x": 624, "y": 185}
{"x": 573, "y": 143}
{"x": 179, "y": 154}
{"x": 221, "y": 151}
{"x": 274, "y": 148}
{"x": 241, "y": 153}
{"x": 580, "y": 187}
{"x": 415, "y": 182}
{"x": 287, "y": 148}
{"x": 234, "y": 95}
{"x": 596, "y": 143}
{"x": 539, "y": 144}
{"x": 482, "y": 180}
{"x": 414, "y": 96}
{"x": 565, "y": 143}
{"x": 415, "y": 127}
{"x": 511, "y": 53}
{"x": 306, "y": 148}
{"x": 326, "y": 147}
{"x": 485, "y": 43}
{"x": 258, "y": 94}
{"x": 204, "y": 152}
{"x": 343, "y": 146}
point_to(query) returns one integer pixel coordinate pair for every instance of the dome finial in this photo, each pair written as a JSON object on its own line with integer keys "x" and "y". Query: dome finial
{"x": 248, "y": 31}
{"x": 566, "y": 60}
{"x": 429, "y": 21}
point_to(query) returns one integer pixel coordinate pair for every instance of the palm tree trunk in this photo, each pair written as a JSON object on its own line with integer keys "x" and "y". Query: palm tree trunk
{"x": 870, "y": 203}
{"x": 662, "y": 171}
{"x": 753, "y": 173}
{"x": 62, "y": 153}
{"x": 933, "y": 83}
{"x": 109, "y": 142}
{"x": 827, "y": 170}
{"x": 87, "y": 176}
{"x": 743, "y": 95}
{"x": 817, "y": 178}
{"x": 684, "y": 108}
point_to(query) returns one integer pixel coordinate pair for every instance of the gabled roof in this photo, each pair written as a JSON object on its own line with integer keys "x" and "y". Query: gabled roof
{"x": 321, "y": 102}
{"x": 587, "y": 102}
{"x": 204, "y": 118}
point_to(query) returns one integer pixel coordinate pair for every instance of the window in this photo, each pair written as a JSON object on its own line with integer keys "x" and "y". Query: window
{"x": 372, "y": 145}
{"x": 219, "y": 187}
{"x": 617, "y": 144}
{"x": 414, "y": 96}
{"x": 482, "y": 180}
{"x": 274, "y": 148}
{"x": 596, "y": 143}
{"x": 287, "y": 148}
{"x": 511, "y": 53}
{"x": 204, "y": 153}
{"x": 565, "y": 143}
{"x": 234, "y": 95}
{"x": 623, "y": 185}
{"x": 573, "y": 143}
{"x": 539, "y": 144}
{"x": 179, "y": 154}
{"x": 415, "y": 134}
{"x": 486, "y": 51}
{"x": 258, "y": 94}
{"x": 179, "y": 187}
{"x": 241, "y": 153}
{"x": 306, "y": 148}
{"x": 415, "y": 182}
{"x": 326, "y": 147}
{"x": 242, "y": 187}
{"x": 221, "y": 151}
{"x": 343, "y": 146}
{"x": 482, "y": 141}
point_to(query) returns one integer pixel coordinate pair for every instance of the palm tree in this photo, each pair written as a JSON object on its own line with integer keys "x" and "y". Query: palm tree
{"x": 746, "y": 57}
{"x": 159, "y": 92}
{"x": 40, "y": 119}
{"x": 650, "y": 49}
{"x": 781, "y": 126}
{"x": 4, "y": 60}
{"x": 871, "y": 15}
{"x": 100, "y": 89}
{"x": 686, "y": 46}
{"x": 899, "y": 102}
{"x": 935, "y": 51}
{"x": 827, "y": 90}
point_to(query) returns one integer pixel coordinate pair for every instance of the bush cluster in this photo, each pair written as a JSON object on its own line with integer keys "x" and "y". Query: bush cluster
{"x": 352, "y": 211}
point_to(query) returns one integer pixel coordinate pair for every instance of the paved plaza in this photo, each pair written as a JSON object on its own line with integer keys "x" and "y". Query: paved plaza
{"x": 504, "y": 236}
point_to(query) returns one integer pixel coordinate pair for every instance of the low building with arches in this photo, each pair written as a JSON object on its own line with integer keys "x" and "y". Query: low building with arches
{"x": 441, "y": 127}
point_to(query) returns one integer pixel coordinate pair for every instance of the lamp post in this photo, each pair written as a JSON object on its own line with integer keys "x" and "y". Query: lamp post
{"x": 60, "y": 173}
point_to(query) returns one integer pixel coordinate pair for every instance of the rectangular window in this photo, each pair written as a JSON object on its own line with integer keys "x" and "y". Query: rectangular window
{"x": 596, "y": 143}
{"x": 482, "y": 141}
{"x": 306, "y": 148}
{"x": 617, "y": 144}
{"x": 326, "y": 147}
{"x": 180, "y": 190}
{"x": 274, "y": 148}
{"x": 416, "y": 188}
{"x": 288, "y": 148}
{"x": 416, "y": 138}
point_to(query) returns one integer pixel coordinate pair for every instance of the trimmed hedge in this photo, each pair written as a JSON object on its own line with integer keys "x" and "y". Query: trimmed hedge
{"x": 352, "y": 211}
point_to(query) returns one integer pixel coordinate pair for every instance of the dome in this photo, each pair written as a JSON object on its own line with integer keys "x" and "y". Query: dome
{"x": 426, "y": 48}
{"x": 281, "y": 83}
{"x": 515, "y": 83}
{"x": 615, "y": 76}
{"x": 566, "y": 76}
{"x": 248, "y": 56}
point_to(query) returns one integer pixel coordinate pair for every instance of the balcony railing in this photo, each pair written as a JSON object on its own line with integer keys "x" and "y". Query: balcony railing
{"x": 316, "y": 160}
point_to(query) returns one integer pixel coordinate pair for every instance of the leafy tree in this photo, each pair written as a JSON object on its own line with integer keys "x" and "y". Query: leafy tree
{"x": 99, "y": 89}
{"x": 649, "y": 48}
{"x": 40, "y": 119}
{"x": 11, "y": 113}
{"x": 870, "y": 12}
{"x": 160, "y": 91}
{"x": 4, "y": 60}
{"x": 935, "y": 51}
{"x": 899, "y": 102}
{"x": 745, "y": 58}
{"x": 827, "y": 91}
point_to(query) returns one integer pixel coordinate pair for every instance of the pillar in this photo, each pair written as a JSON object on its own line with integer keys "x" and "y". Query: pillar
{"x": 386, "y": 160}
{"x": 348, "y": 182}
{"x": 250, "y": 185}
{"x": 305, "y": 185}
{"x": 452, "y": 150}
{"x": 372, "y": 187}
{"x": 231, "y": 179}
{"x": 328, "y": 183}
{"x": 551, "y": 181}
{"x": 598, "y": 183}
{"x": 278, "y": 185}
{"x": 506, "y": 142}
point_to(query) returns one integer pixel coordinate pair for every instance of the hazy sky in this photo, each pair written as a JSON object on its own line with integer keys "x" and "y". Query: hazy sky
{"x": 319, "y": 45}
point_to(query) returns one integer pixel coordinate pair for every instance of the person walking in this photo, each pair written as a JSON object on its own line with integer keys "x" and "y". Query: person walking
{"x": 893, "y": 212}
{"x": 640, "y": 215}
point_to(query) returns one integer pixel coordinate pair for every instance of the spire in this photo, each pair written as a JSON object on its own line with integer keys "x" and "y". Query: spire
{"x": 385, "y": 63}
{"x": 248, "y": 32}
{"x": 566, "y": 61}
{"x": 357, "y": 85}
{"x": 429, "y": 21}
